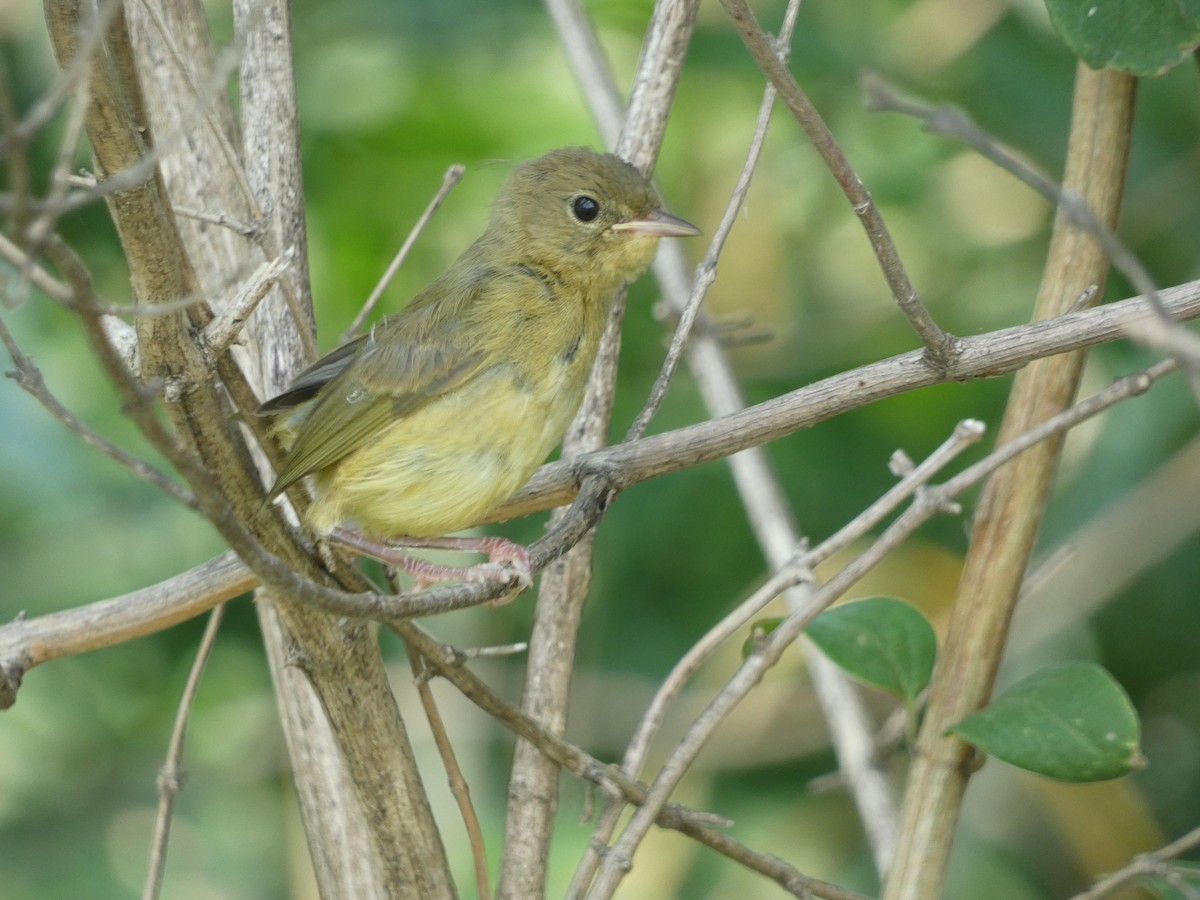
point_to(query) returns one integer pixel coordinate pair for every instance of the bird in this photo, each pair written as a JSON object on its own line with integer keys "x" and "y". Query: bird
{"x": 418, "y": 428}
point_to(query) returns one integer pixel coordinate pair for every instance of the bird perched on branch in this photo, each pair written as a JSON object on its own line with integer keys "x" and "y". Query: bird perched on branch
{"x": 443, "y": 410}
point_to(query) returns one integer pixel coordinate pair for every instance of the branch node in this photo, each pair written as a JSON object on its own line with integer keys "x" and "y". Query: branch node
{"x": 12, "y": 673}
{"x": 900, "y": 464}
{"x": 170, "y": 780}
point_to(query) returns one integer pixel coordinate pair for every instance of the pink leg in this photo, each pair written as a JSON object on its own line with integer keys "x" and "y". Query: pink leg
{"x": 505, "y": 559}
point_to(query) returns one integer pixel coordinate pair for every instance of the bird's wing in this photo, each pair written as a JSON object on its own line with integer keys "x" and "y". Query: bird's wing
{"x": 308, "y": 383}
{"x": 404, "y": 362}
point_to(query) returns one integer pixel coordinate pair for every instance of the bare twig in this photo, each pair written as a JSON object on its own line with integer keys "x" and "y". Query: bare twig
{"x": 29, "y": 377}
{"x": 92, "y": 189}
{"x": 454, "y": 775}
{"x": 939, "y": 344}
{"x": 495, "y": 650}
{"x": 113, "y": 621}
{"x": 952, "y": 122}
{"x": 26, "y": 643}
{"x": 533, "y": 792}
{"x": 228, "y": 323}
{"x": 221, "y": 220}
{"x": 171, "y": 775}
{"x": 927, "y": 504}
{"x": 39, "y": 277}
{"x": 452, "y": 177}
{"x": 37, "y": 230}
{"x": 706, "y": 272}
{"x": 796, "y": 570}
{"x": 1143, "y": 865}
{"x": 447, "y": 662}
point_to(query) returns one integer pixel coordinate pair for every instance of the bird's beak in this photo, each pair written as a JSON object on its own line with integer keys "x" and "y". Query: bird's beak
{"x": 658, "y": 223}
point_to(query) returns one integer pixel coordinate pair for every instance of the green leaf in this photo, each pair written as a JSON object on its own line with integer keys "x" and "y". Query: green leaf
{"x": 1069, "y": 721}
{"x": 1146, "y": 37}
{"x": 881, "y": 641}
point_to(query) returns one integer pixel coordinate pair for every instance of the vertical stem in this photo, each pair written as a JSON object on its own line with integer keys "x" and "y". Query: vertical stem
{"x": 533, "y": 787}
{"x": 1010, "y": 509}
{"x": 370, "y": 829}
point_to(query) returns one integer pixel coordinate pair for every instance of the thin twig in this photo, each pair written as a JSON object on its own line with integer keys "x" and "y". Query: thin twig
{"x": 495, "y": 650}
{"x": 171, "y": 775}
{"x": 1142, "y": 865}
{"x": 452, "y": 177}
{"x": 231, "y": 317}
{"x": 672, "y": 451}
{"x": 94, "y": 189}
{"x": 706, "y": 272}
{"x": 939, "y": 344}
{"x": 926, "y": 504}
{"x": 797, "y": 569}
{"x": 40, "y": 227}
{"x": 454, "y": 775}
{"x": 949, "y": 121}
{"x": 29, "y": 377}
{"x": 48, "y": 105}
{"x": 221, "y": 220}
{"x": 447, "y": 662}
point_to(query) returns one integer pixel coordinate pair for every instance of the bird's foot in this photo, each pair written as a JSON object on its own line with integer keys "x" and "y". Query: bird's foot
{"x": 507, "y": 562}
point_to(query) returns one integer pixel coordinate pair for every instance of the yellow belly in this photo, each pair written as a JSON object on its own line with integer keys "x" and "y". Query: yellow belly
{"x": 444, "y": 467}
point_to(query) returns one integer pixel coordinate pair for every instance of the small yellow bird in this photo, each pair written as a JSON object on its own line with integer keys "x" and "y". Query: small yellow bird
{"x": 443, "y": 410}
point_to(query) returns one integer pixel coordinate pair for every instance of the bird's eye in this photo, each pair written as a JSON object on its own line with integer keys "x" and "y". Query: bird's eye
{"x": 585, "y": 208}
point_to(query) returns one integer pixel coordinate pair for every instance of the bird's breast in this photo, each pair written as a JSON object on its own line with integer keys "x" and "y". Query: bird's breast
{"x": 445, "y": 466}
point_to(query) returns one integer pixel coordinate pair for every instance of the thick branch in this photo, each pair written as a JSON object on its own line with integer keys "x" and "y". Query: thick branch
{"x": 1010, "y": 509}
{"x": 981, "y": 356}
{"x": 27, "y": 643}
{"x": 626, "y": 464}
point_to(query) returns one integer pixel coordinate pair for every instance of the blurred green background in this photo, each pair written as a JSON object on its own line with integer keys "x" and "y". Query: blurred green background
{"x": 390, "y": 95}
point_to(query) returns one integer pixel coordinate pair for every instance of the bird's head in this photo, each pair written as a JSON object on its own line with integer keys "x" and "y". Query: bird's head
{"x": 584, "y": 212}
